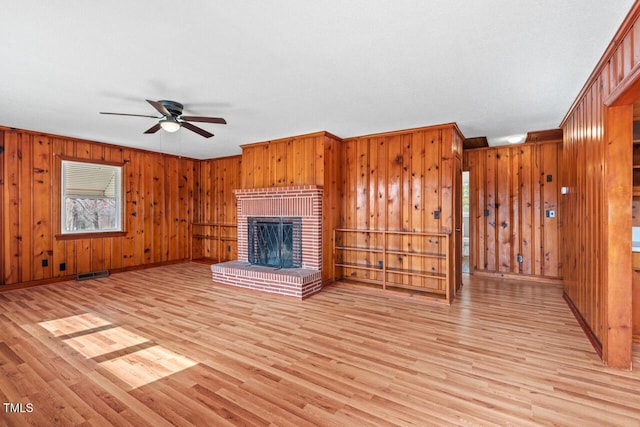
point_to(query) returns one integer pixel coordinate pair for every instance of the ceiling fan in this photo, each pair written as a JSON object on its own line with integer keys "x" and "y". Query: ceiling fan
{"x": 172, "y": 118}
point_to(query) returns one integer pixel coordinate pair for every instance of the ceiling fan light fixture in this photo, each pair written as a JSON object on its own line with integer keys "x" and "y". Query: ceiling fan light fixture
{"x": 170, "y": 124}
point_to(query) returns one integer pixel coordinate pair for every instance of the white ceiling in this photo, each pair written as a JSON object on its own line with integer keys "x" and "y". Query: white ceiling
{"x": 275, "y": 69}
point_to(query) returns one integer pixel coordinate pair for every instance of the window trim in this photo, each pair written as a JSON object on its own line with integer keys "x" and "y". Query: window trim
{"x": 60, "y": 235}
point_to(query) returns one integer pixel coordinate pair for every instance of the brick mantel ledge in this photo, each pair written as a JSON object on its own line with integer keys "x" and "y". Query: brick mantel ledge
{"x": 272, "y": 192}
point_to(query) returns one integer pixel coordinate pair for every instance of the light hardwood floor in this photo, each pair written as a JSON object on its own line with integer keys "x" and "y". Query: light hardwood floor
{"x": 167, "y": 346}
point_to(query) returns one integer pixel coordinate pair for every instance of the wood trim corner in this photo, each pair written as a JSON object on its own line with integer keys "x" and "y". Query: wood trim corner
{"x": 597, "y": 346}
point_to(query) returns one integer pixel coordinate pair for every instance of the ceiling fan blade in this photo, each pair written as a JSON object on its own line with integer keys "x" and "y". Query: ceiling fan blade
{"x": 218, "y": 120}
{"x": 161, "y": 108}
{"x": 197, "y": 130}
{"x": 134, "y": 115}
{"x": 153, "y": 129}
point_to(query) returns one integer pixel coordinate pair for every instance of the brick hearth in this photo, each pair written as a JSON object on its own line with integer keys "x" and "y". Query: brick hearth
{"x": 304, "y": 202}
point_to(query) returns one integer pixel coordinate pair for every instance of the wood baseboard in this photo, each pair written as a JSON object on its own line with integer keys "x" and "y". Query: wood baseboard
{"x": 557, "y": 281}
{"x": 23, "y": 285}
{"x": 206, "y": 261}
{"x": 595, "y": 342}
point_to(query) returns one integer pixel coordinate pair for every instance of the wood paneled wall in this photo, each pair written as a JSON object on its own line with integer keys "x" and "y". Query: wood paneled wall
{"x": 215, "y": 203}
{"x": 397, "y": 181}
{"x": 312, "y": 159}
{"x": 511, "y": 190}
{"x": 298, "y": 160}
{"x": 596, "y": 166}
{"x": 158, "y": 209}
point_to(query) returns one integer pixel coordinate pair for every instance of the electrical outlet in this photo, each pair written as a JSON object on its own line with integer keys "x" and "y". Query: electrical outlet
{"x": 486, "y": 212}
{"x": 550, "y": 213}
{"x": 436, "y": 214}
{"x": 63, "y": 266}
{"x": 45, "y": 263}
{"x": 549, "y": 178}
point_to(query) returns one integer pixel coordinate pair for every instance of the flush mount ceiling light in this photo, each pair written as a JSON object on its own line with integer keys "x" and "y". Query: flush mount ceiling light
{"x": 515, "y": 139}
{"x": 170, "y": 124}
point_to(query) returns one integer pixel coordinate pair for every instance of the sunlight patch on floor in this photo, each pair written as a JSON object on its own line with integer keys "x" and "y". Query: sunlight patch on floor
{"x": 148, "y": 365}
{"x": 73, "y": 324}
{"x": 136, "y": 368}
{"x": 103, "y": 342}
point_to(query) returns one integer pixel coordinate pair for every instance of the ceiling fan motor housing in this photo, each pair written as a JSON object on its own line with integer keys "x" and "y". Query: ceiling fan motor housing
{"x": 175, "y": 108}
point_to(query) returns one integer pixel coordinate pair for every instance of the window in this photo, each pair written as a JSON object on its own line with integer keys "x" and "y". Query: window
{"x": 91, "y": 198}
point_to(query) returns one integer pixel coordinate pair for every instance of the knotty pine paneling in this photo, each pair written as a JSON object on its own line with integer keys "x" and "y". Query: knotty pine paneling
{"x": 298, "y": 160}
{"x": 158, "y": 202}
{"x": 216, "y": 204}
{"x": 397, "y": 181}
{"x": 332, "y": 193}
{"x": 312, "y": 159}
{"x": 596, "y": 167}
{"x": 515, "y": 186}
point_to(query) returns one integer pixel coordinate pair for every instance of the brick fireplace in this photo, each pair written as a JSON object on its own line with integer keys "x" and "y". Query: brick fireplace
{"x": 277, "y": 205}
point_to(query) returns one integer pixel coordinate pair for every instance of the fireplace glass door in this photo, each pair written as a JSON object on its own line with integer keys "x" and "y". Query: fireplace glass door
{"x": 275, "y": 242}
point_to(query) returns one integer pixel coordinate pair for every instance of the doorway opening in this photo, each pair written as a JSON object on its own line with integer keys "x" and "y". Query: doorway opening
{"x": 465, "y": 222}
{"x": 635, "y": 224}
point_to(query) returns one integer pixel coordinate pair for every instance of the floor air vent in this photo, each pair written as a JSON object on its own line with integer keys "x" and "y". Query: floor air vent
{"x": 92, "y": 275}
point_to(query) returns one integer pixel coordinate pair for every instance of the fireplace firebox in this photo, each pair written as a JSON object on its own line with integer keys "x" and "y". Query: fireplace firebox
{"x": 275, "y": 241}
